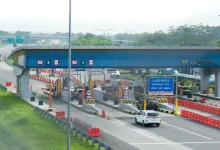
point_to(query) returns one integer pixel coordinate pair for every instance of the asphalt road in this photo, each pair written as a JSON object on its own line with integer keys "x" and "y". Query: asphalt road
{"x": 175, "y": 133}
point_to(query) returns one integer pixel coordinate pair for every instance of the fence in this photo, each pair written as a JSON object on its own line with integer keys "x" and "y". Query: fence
{"x": 82, "y": 134}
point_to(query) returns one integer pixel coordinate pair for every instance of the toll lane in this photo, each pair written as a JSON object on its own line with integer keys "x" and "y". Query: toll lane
{"x": 120, "y": 129}
{"x": 180, "y": 130}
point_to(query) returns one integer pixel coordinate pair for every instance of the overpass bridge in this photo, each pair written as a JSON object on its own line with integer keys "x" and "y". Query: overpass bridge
{"x": 205, "y": 57}
{"x": 63, "y": 38}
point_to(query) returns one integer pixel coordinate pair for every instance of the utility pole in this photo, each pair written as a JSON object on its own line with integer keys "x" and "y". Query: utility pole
{"x": 69, "y": 80}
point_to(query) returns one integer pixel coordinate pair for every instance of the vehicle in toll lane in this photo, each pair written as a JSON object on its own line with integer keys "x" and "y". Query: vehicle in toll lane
{"x": 151, "y": 104}
{"x": 150, "y": 117}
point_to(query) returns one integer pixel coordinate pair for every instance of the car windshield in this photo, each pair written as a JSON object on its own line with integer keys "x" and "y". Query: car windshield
{"x": 152, "y": 114}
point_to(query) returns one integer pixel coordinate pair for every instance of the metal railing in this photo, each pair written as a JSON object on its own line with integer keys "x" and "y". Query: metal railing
{"x": 82, "y": 134}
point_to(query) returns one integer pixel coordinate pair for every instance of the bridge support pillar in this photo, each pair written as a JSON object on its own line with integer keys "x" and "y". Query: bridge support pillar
{"x": 217, "y": 82}
{"x": 25, "y": 84}
{"x": 204, "y": 82}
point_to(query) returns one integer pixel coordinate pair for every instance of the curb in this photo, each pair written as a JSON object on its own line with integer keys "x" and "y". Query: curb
{"x": 77, "y": 107}
{"x": 166, "y": 111}
{"x": 210, "y": 97}
{"x": 187, "y": 99}
{"x": 122, "y": 110}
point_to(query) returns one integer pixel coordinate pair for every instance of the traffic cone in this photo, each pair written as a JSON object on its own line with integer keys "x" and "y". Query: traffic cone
{"x": 81, "y": 123}
{"x": 72, "y": 119}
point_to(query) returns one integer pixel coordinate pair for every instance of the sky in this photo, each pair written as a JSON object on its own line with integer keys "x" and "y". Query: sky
{"x": 88, "y": 15}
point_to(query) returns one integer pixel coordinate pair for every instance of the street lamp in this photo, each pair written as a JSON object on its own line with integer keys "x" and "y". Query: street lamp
{"x": 104, "y": 31}
{"x": 130, "y": 31}
{"x": 69, "y": 79}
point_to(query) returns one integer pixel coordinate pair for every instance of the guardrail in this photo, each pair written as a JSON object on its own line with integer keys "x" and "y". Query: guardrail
{"x": 82, "y": 134}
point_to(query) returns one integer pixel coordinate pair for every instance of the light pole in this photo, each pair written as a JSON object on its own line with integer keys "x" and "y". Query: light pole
{"x": 69, "y": 80}
{"x": 104, "y": 31}
{"x": 130, "y": 34}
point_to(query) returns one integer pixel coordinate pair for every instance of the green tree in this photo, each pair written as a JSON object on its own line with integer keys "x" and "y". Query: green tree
{"x": 92, "y": 40}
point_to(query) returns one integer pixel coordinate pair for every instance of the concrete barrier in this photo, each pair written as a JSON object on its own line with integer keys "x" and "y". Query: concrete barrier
{"x": 165, "y": 106}
{"x": 128, "y": 106}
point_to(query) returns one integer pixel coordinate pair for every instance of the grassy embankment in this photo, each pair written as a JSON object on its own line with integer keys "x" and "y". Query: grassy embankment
{"x": 10, "y": 60}
{"x": 21, "y": 128}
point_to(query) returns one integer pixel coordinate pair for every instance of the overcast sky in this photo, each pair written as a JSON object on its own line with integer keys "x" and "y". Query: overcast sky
{"x": 87, "y": 15}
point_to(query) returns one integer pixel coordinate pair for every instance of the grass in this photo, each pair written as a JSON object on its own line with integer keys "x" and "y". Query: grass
{"x": 10, "y": 61}
{"x": 21, "y": 128}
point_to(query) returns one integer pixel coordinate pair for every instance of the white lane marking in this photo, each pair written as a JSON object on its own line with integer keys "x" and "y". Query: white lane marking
{"x": 187, "y": 131}
{"x": 172, "y": 143}
{"x": 137, "y": 130}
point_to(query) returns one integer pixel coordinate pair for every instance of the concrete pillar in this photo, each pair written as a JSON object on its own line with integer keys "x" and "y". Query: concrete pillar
{"x": 25, "y": 84}
{"x": 217, "y": 82}
{"x": 204, "y": 82}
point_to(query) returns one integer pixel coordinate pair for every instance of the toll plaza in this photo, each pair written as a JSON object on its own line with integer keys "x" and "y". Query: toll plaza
{"x": 26, "y": 57}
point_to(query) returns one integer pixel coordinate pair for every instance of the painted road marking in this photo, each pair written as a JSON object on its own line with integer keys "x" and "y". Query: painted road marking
{"x": 173, "y": 143}
{"x": 187, "y": 131}
{"x": 137, "y": 130}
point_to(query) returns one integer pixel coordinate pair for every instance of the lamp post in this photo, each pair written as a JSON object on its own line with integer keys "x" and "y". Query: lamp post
{"x": 104, "y": 31}
{"x": 130, "y": 34}
{"x": 69, "y": 80}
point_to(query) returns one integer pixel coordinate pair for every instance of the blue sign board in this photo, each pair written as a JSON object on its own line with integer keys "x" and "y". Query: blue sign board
{"x": 123, "y": 59}
{"x": 160, "y": 86}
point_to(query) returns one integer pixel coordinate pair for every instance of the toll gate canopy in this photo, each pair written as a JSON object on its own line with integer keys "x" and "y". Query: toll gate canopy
{"x": 118, "y": 57}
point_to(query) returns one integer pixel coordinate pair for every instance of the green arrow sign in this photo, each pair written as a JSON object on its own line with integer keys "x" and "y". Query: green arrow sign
{"x": 20, "y": 41}
{"x": 10, "y": 40}
{"x": 48, "y": 62}
{"x": 18, "y": 37}
{"x": 160, "y": 72}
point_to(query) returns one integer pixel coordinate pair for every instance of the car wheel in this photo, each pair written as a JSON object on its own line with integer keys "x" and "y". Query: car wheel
{"x": 136, "y": 120}
{"x": 158, "y": 125}
{"x": 143, "y": 123}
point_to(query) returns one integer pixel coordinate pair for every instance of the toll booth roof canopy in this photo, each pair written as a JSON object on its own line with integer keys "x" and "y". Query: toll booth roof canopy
{"x": 120, "y": 48}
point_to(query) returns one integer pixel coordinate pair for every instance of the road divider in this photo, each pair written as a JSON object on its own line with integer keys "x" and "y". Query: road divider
{"x": 166, "y": 111}
{"x": 76, "y": 106}
{"x": 117, "y": 108}
{"x": 200, "y": 118}
{"x": 197, "y": 106}
{"x": 201, "y": 107}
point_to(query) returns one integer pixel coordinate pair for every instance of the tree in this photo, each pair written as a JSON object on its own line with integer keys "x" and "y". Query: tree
{"x": 92, "y": 40}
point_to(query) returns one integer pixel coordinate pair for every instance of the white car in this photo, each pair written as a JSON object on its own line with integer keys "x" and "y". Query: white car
{"x": 148, "y": 117}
